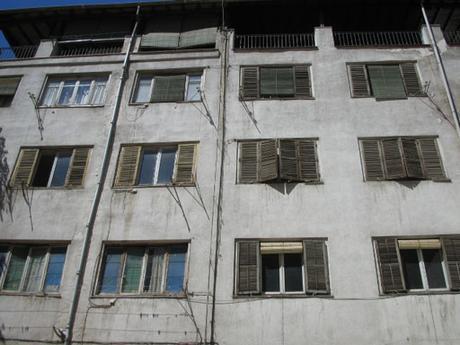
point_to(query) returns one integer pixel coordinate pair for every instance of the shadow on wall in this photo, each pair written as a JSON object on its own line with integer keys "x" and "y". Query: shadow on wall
{"x": 5, "y": 191}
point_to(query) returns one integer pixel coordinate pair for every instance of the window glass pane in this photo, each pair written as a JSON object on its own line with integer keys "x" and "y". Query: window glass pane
{"x": 43, "y": 172}
{"x": 386, "y": 81}
{"x": 154, "y": 273}
{"x": 60, "y": 169}
{"x": 99, "y": 91}
{"x": 148, "y": 163}
{"x": 3, "y": 257}
{"x": 35, "y": 269}
{"x": 293, "y": 272}
{"x": 133, "y": 270}
{"x": 168, "y": 156}
{"x": 143, "y": 90}
{"x": 176, "y": 267}
{"x": 49, "y": 95}
{"x": 15, "y": 268}
{"x": 270, "y": 273}
{"x": 110, "y": 276}
{"x": 411, "y": 269}
{"x": 54, "y": 271}
{"x": 193, "y": 88}
{"x": 67, "y": 91}
{"x": 82, "y": 95}
{"x": 433, "y": 266}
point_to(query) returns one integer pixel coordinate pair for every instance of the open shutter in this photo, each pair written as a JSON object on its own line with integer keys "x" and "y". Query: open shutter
{"x": 386, "y": 81}
{"x": 389, "y": 261}
{"x": 372, "y": 160}
{"x": 451, "y": 247}
{"x": 308, "y": 160}
{"x": 316, "y": 270}
{"x": 359, "y": 80}
{"x": 128, "y": 163}
{"x": 249, "y": 86}
{"x": 185, "y": 164}
{"x": 78, "y": 166}
{"x": 302, "y": 81}
{"x": 392, "y": 157}
{"x": 248, "y": 162}
{"x": 248, "y": 267}
{"x": 8, "y": 85}
{"x": 24, "y": 170}
{"x": 267, "y": 160}
{"x": 412, "y": 158}
{"x": 432, "y": 164}
{"x": 159, "y": 40}
{"x": 289, "y": 160}
{"x": 411, "y": 81}
{"x": 168, "y": 88}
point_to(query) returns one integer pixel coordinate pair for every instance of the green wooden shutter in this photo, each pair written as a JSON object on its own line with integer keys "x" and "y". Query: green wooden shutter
{"x": 248, "y": 267}
{"x": 451, "y": 247}
{"x": 249, "y": 83}
{"x": 308, "y": 160}
{"x": 386, "y": 81}
{"x": 198, "y": 38}
{"x": 372, "y": 160}
{"x": 432, "y": 163}
{"x": 9, "y": 85}
{"x": 168, "y": 88}
{"x": 159, "y": 40}
{"x": 412, "y": 158}
{"x": 23, "y": 173}
{"x": 185, "y": 164}
{"x": 128, "y": 164}
{"x": 248, "y": 162}
{"x": 411, "y": 80}
{"x": 77, "y": 166}
{"x": 316, "y": 270}
{"x": 267, "y": 160}
{"x": 289, "y": 160}
{"x": 394, "y": 166}
{"x": 391, "y": 277}
{"x": 359, "y": 80}
{"x": 302, "y": 81}
{"x": 277, "y": 81}
{"x": 132, "y": 270}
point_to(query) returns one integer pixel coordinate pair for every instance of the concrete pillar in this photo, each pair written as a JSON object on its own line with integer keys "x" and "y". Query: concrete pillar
{"x": 324, "y": 37}
{"x": 126, "y": 44}
{"x": 45, "y": 49}
{"x": 438, "y": 36}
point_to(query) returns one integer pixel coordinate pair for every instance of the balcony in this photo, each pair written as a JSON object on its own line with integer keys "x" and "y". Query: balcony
{"x": 88, "y": 47}
{"x": 15, "y": 53}
{"x": 452, "y": 38}
{"x": 378, "y": 39}
{"x": 275, "y": 41}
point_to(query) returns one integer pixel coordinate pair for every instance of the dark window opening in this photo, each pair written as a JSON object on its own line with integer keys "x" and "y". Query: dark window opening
{"x": 6, "y": 100}
{"x": 293, "y": 272}
{"x": 411, "y": 269}
{"x": 270, "y": 273}
{"x": 45, "y": 165}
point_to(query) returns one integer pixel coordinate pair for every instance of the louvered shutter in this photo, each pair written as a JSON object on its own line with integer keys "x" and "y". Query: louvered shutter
{"x": 277, "y": 81}
{"x": 411, "y": 81}
{"x": 389, "y": 261}
{"x": 386, "y": 81}
{"x": 432, "y": 164}
{"x": 289, "y": 160}
{"x": 248, "y": 162}
{"x": 128, "y": 163}
{"x": 412, "y": 158}
{"x": 267, "y": 160}
{"x": 158, "y": 40}
{"x": 9, "y": 85}
{"x": 316, "y": 270}
{"x": 249, "y": 86}
{"x": 77, "y": 166}
{"x": 24, "y": 170}
{"x": 308, "y": 158}
{"x": 248, "y": 267}
{"x": 394, "y": 167}
{"x": 197, "y": 38}
{"x": 302, "y": 81}
{"x": 168, "y": 88}
{"x": 359, "y": 80}
{"x": 451, "y": 247}
{"x": 372, "y": 160}
{"x": 185, "y": 164}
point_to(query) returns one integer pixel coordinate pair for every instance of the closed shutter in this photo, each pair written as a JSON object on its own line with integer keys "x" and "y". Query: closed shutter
{"x": 248, "y": 162}
{"x": 316, "y": 270}
{"x": 267, "y": 160}
{"x": 394, "y": 167}
{"x": 198, "y": 38}
{"x": 185, "y": 164}
{"x": 432, "y": 164}
{"x": 386, "y": 82}
{"x": 372, "y": 160}
{"x": 391, "y": 277}
{"x": 128, "y": 163}
{"x": 22, "y": 175}
{"x": 289, "y": 160}
{"x": 359, "y": 81}
{"x": 248, "y": 267}
{"x": 78, "y": 166}
{"x": 452, "y": 256}
{"x": 9, "y": 85}
{"x": 412, "y": 158}
{"x": 411, "y": 81}
{"x": 302, "y": 81}
{"x": 168, "y": 88}
{"x": 277, "y": 81}
{"x": 308, "y": 157}
{"x": 249, "y": 85}
{"x": 158, "y": 40}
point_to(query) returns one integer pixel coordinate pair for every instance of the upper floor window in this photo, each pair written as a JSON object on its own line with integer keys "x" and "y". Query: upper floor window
{"x": 260, "y": 82}
{"x": 384, "y": 80}
{"x": 168, "y": 88}
{"x": 74, "y": 91}
{"x": 8, "y": 86}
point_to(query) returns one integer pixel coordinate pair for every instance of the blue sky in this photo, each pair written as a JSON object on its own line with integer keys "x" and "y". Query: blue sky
{"x": 16, "y": 4}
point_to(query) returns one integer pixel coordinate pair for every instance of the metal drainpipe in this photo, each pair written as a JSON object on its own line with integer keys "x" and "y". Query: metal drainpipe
{"x": 100, "y": 186}
{"x": 453, "y": 108}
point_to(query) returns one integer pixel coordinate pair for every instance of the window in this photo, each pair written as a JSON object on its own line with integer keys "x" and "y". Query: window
{"x": 259, "y": 82}
{"x": 74, "y": 91}
{"x": 148, "y": 165}
{"x": 50, "y": 167}
{"x": 402, "y": 158}
{"x": 31, "y": 268}
{"x": 143, "y": 270}
{"x": 267, "y": 267}
{"x": 426, "y": 264}
{"x": 168, "y": 88}
{"x": 284, "y": 160}
{"x": 8, "y": 86}
{"x": 385, "y": 81}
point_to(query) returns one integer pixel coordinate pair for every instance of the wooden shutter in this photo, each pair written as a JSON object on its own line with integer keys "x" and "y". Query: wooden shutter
{"x": 249, "y": 85}
{"x": 412, "y": 158}
{"x": 168, "y": 88}
{"x": 77, "y": 166}
{"x": 128, "y": 164}
{"x": 289, "y": 160}
{"x": 451, "y": 247}
{"x": 411, "y": 81}
{"x": 198, "y": 38}
{"x": 316, "y": 270}
{"x": 389, "y": 262}
{"x": 158, "y": 40}
{"x": 386, "y": 81}
{"x": 248, "y": 267}
{"x": 359, "y": 81}
{"x": 373, "y": 168}
{"x": 24, "y": 170}
{"x": 302, "y": 81}
{"x": 185, "y": 164}
{"x": 308, "y": 158}
{"x": 9, "y": 85}
{"x": 248, "y": 162}
{"x": 267, "y": 160}
{"x": 394, "y": 167}
{"x": 432, "y": 164}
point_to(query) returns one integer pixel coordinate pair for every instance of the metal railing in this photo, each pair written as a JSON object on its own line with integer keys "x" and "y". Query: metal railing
{"x": 13, "y": 53}
{"x": 274, "y": 41}
{"x": 88, "y": 48}
{"x": 378, "y": 39}
{"x": 452, "y": 37}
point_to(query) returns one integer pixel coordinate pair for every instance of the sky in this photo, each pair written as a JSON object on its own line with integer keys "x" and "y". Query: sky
{"x": 17, "y": 4}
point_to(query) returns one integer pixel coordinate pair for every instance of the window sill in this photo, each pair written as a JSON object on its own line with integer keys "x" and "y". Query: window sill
{"x": 270, "y": 296}
{"x": 71, "y": 106}
{"x": 283, "y": 183}
{"x": 134, "y": 188}
{"x": 447, "y": 180}
{"x": 145, "y": 104}
{"x": 278, "y": 99}
{"x": 30, "y": 294}
{"x": 419, "y": 293}
{"x": 138, "y": 296}
{"x": 50, "y": 188}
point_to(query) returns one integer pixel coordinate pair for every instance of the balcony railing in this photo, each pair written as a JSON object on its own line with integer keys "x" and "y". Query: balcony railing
{"x": 13, "y": 53}
{"x": 274, "y": 41}
{"x": 378, "y": 39}
{"x": 88, "y": 48}
{"x": 452, "y": 37}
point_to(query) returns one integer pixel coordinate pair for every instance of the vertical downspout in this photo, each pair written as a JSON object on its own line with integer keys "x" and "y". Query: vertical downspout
{"x": 100, "y": 186}
{"x": 445, "y": 81}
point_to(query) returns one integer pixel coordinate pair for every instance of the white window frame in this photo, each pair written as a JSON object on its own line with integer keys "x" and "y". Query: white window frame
{"x": 156, "y": 171}
{"x": 187, "y": 86}
{"x": 56, "y": 155}
{"x": 281, "y": 274}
